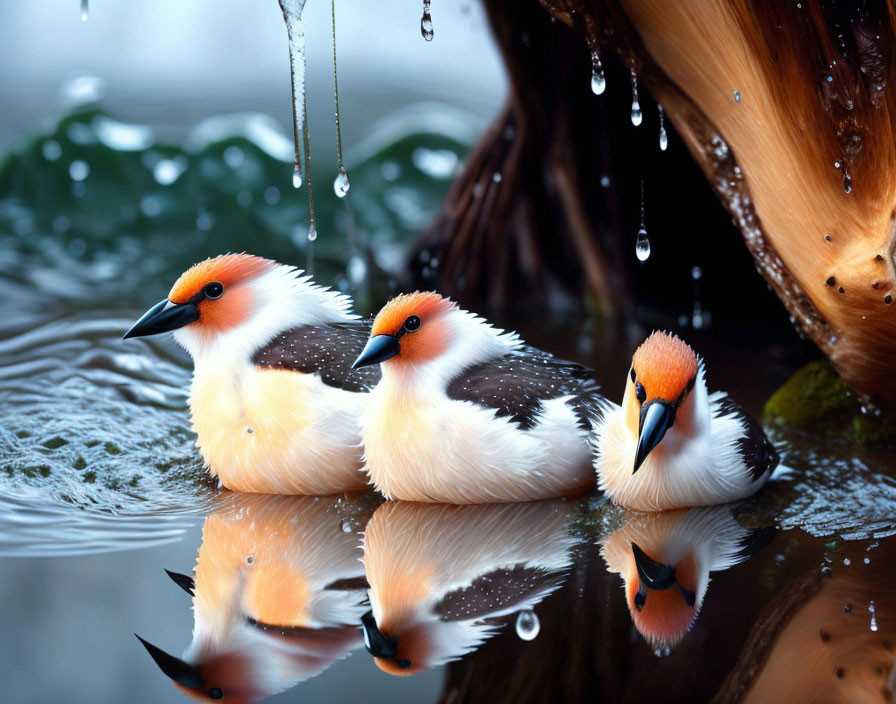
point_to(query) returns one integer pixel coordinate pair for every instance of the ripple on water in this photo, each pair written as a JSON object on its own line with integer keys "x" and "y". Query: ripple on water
{"x": 96, "y": 451}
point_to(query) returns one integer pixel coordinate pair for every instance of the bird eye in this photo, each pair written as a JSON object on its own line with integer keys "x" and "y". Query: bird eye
{"x": 215, "y": 692}
{"x": 412, "y": 324}
{"x": 214, "y": 290}
{"x": 640, "y": 599}
{"x": 404, "y": 663}
{"x": 640, "y": 392}
{"x": 633, "y": 374}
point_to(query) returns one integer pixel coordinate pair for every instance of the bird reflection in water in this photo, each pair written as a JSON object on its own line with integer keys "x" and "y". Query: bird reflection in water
{"x": 443, "y": 579}
{"x": 665, "y": 560}
{"x": 278, "y": 595}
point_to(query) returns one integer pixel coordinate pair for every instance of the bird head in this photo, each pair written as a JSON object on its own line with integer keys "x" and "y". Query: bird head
{"x": 658, "y": 393}
{"x": 662, "y": 598}
{"x": 246, "y": 298}
{"x": 411, "y": 329}
{"x": 212, "y": 296}
{"x": 222, "y": 677}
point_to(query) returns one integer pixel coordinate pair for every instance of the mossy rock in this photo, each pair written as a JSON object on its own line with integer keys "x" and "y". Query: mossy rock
{"x": 815, "y": 400}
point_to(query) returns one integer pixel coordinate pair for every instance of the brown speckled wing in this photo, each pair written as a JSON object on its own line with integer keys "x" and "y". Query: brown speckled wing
{"x": 754, "y": 446}
{"x": 516, "y": 385}
{"x": 327, "y": 350}
{"x": 497, "y": 592}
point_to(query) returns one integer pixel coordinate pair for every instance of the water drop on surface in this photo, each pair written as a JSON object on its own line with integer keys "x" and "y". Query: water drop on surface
{"x": 426, "y": 22}
{"x": 527, "y": 625}
{"x": 737, "y": 96}
{"x": 662, "y": 652}
{"x": 871, "y": 610}
{"x": 642, "y": 246}
{"x": 296, "y": 177}
{"x": 341, "y": 184}
{"x": 346, "y": 526}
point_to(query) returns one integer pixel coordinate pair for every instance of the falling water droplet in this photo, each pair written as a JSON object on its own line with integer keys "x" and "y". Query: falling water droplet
{"x": 341, "y": 184}
{"x": 737, "y": 96}
{"x": 637, "y": 116}
{"x": 527, "y": 625}
{"x": 426, "y": 22}
{"x": 296, "y": 177}
{"x": 85, "y": 10}
{"x": 598, "y": 78}
{"x": 873, "y": 613}
{"x": 312, "y": 233}
{"x": 642, "y": 244}
{"x": 664, "y": 138}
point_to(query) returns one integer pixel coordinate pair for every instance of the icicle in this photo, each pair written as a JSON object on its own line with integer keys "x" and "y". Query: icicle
{"x": 295, "y": 30}
{"x": 426, "y": 22}
{"x": 598, "y": 78}
{"x": 637, "y": 116}
{"x": 642, "y": 244}
{"x": 664, "y": 138}
{"x": 341, "y": 184}
{"x": 85, "y": 10}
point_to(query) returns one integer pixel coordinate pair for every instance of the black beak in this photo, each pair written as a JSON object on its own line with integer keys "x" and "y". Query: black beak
{"x": 377, "y": 644}
{"x": 656, "y": 418}
{"x": 651, "y": 573}
{"x": 164, "y": 316}
{"x": 176, "y": 669}
{"x": 183, "y": 581}
{"x": 379, "y": 348}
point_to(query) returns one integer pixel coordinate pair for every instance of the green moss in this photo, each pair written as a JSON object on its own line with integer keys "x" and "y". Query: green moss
{"x": 815, "y": 400}
{"x": 21, "y": 434}
{"x": 80, "y": 463}
{"x": 90, "y": 477}
{"x": 112, "y": 448}
{"x": 54, "y": 443}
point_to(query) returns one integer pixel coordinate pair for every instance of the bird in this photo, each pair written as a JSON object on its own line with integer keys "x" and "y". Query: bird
{"x": 275, "y": 403}
{"x": 467, "y": 413}
{"x": 665, "y": 558}
{"x": 278, "y": 595}
{"x": 671, "y": 444}
{"x": 444, "y": 578}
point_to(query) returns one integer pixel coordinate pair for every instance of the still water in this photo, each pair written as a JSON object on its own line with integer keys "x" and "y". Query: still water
{"x": 788, "y": 596}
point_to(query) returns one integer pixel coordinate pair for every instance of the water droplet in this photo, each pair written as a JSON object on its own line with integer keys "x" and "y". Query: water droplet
{"x": 598, "y": 78}
{"x": 847, "y": 183}
{"x": 341, "y": 184}
{"x": 312, "y": 234}
{"x": 496, "y": 177}
{"x": 527, "y": 625}
{"x": 346, "y": 527}
{"x": 696, "y": 273}
{"x": 846, "y": 561}
{"x": 827, "y": 571}
{"x": 637, "y": 116}
{"x": 663, "y": 651}
{"x": 737, "y": 96}
{"x": 85, "y": 10}
{"x": 296, "y": 177}
{"x": 664, "y": 139}
{"x": 642, "y": 246}
{"x": 250, "y": 559}
{"x": 605, "y": 181}
{"x": 426, "y": 22}
{"x": 871, "y": 610}
{"x": 51, "y": 150}
{"x": 866, "y": 560}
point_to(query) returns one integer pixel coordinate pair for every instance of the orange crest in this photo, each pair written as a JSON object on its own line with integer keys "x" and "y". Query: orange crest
{"x": 226, "y": 269}
{"x": 431, "y": 339}
{"x": 664, "y": 364}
